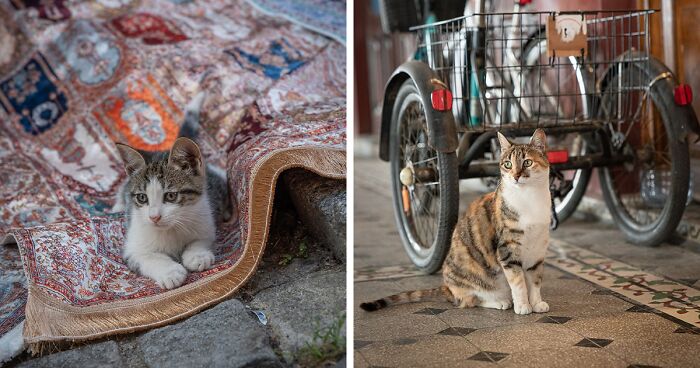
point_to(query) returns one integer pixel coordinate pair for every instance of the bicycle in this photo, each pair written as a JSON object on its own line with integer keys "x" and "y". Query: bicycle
{"x": 605, "y": 104}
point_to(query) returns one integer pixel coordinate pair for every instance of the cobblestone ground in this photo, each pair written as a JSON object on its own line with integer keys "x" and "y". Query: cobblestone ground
{"x": 597, "y": 319}
{"x": 299, "y": 286}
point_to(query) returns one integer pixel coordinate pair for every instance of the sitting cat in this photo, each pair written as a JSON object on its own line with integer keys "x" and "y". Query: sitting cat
{"x": 172, "y": 201}
{"x": 496, "y": 258}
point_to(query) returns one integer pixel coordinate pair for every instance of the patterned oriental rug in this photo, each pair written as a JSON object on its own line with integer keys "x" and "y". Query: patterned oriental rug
{"x": 77, "y": 77}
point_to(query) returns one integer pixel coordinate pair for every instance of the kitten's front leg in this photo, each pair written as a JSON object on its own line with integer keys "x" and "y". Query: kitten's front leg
{"x": 533, "y": 277}
{"x": 167, "y": 273}
{"x": 198, "y": 255}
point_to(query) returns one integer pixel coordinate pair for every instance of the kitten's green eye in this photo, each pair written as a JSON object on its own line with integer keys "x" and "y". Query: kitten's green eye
{"x": 508, "y": 164}
{"x": 141, "y": 198}
{"x": 527, "y": 163}
{"x": 170, "y": 196}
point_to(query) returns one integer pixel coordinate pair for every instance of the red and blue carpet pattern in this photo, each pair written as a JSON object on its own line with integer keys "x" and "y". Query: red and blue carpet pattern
{"x": 76, "y": 77}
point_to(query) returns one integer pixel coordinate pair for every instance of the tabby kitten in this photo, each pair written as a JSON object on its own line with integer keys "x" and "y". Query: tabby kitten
{"x": 496, "y": 258}
{"x": 173, "y": 202}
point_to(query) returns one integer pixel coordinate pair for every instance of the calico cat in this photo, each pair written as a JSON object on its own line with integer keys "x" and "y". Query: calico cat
{"x": 173, "y": 202}
{"x": 496, "y": 258}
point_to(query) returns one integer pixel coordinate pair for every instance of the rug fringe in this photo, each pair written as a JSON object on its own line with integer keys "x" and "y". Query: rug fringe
{"x": 50, "y": 321}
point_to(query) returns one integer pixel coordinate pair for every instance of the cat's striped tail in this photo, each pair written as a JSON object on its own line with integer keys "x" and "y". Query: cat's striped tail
{"x": 442, "y": 293}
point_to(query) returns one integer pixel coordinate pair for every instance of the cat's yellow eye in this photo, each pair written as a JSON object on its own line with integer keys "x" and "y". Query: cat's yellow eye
{"x": 170, "y": 196}
{"x": 141, "y": 198}
{"x": 527, "y": 163}
{"x": 508, "y": 164}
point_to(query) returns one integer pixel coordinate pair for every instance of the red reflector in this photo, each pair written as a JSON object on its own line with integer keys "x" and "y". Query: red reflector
{"x": 524, "y": 2}
{"x": 683, "y": 95}
{"x": 442, "y": 99}
{"x": 557, "y": 157}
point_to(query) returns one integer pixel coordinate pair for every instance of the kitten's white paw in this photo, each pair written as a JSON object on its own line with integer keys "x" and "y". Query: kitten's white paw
{"x": 171, "y": 277}
{"x": 197, "y": 260}
{"x": 541, "y": 307}
{"x": 523, "y": 308}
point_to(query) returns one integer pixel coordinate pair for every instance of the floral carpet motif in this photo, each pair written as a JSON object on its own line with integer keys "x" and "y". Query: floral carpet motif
{"x": 667, "y": 296}
{"x": 81, "y": 76}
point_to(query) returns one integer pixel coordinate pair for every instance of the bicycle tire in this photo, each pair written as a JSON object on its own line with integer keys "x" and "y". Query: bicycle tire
{"x": 427, "y": 257}
{"x": 664, "y": 227}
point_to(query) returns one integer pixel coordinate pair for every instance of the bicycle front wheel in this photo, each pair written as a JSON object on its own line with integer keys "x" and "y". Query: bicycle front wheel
{"x": 424, "y": 184}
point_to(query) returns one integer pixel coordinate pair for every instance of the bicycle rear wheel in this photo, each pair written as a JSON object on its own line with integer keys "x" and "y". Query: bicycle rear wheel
{"x": 646, "y": 196}
{"x": 424, "y": 184}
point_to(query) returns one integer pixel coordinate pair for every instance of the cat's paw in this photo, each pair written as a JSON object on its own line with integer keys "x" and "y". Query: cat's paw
{"x": 197, "y": 260}
{"x": 171, "y": 276}
{"x": 522, "y": 308}
{"x": 541, "y": 307}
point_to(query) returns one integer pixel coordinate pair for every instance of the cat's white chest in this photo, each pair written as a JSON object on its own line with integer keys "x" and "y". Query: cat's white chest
{"x": 533, "y": 206}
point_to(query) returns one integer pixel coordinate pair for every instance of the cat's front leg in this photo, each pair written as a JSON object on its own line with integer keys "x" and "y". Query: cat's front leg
{"x": 167, "y": 273}
{"x": 198, "y": 255}
{"x": 515, "y": 275}
{"x": 533, "y": 277}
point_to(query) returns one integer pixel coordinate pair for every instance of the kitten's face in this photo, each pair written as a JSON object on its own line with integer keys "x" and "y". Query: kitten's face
{"x": 163, "y": 190}
{"x": 523, "y": 164}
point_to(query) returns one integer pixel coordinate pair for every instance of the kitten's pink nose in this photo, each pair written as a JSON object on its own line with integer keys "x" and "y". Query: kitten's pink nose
{"x": 155, "y": 219}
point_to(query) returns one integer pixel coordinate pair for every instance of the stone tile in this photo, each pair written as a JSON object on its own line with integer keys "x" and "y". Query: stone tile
{"x": 430, "y": 311}
{"x": 478, "y": 317}
{"x": 688, "y": 330}
{"x": 243, "y": 341}
{"x": 456, "y": 331}
{"x": 295, "y": 311}
{"x": 422, "y": 353}
{"x": 396, "y": 322}
{"x": 623, "y": 326}
{"x": 523, "y": 338}
{"x": 419, "y": 282}
{"x": 359, "y": 344}
{"x": 100, "y": 355}
{"x": 591, "y": 342}
{"x": 565, "y": 358}
{"x": 585, "y": 305}
{"x": 488, "y": 356}
{"x": 673, "y": 350}
{"x": 640, "y": 309}
{"x": 554, "y": 319}
{"x": 359, "y": 360}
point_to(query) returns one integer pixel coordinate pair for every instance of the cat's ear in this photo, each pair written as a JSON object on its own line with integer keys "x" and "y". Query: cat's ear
{"x": 539, "y": 140}
{"x": 185, "y": 155}
{"x": 505, "y": 143}
{"x": 131, "y": 157}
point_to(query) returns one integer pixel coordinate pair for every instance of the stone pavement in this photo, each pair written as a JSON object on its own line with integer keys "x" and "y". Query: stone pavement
{"x": 299, "y": 286}
{"x": 601, "y": 290}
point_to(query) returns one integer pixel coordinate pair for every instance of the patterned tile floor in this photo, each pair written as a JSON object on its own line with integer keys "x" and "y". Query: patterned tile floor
{"x": 613, "y": 304}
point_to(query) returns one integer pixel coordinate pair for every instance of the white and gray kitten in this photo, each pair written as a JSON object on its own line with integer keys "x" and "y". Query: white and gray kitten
{"x": 172, "y": 201}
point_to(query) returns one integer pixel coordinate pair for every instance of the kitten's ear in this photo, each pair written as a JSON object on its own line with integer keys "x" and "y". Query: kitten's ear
{"x": 131, "y": 157}
{"x": 505, "y": 143}
{"x": 185, "y": 155}
{"x": 539, "y": 140}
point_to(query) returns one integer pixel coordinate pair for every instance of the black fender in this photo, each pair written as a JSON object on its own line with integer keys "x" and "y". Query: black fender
{"x": 442, "y": 131}
{"x": 663, "y": 82}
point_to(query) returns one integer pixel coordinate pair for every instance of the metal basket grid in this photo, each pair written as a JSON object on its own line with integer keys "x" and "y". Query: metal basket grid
{"x": 497, "y": 68}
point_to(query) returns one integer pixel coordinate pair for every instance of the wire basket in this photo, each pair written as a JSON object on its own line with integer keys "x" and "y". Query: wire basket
{"x": 503, "y": 72}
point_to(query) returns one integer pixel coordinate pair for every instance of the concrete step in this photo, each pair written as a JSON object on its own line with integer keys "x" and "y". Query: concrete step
{"x": 321, "y": 205}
